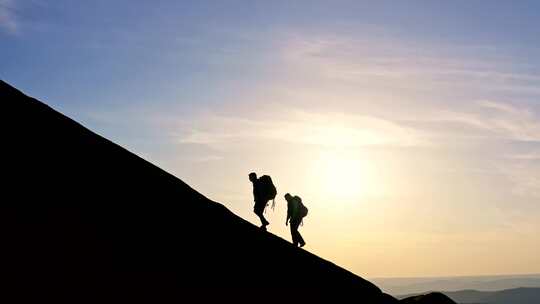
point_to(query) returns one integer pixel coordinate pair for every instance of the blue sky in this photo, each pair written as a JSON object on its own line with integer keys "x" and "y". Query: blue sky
{"x": 376, "y": 112}
{"x": 143, "y": 45}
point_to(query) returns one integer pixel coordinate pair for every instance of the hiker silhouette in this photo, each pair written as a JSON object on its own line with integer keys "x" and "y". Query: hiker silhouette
{"x": 263, "y": 191}
{"x": 296, "y": 211}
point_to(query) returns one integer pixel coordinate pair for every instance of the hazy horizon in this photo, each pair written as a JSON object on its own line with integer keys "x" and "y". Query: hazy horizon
{"x": 400, "y": 287}
{"x": 411, "y": 130}
{"x": 516, "y": 275}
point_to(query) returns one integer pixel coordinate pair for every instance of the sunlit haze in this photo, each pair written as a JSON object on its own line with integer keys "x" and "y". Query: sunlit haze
{"x": 410, "y": 129}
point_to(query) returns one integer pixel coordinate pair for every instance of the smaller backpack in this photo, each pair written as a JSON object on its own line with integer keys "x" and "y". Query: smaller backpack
{"x": 269, "y": 191}
{"x": 302, "y": 209}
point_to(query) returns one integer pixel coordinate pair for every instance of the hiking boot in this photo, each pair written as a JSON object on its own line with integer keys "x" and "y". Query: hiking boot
{"x": 302, "y": 244}
{"x": 263, "y": 227}
{"x": 266, "y": 223}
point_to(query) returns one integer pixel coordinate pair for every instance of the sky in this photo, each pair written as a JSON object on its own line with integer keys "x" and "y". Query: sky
{"x": 411, "y": 129}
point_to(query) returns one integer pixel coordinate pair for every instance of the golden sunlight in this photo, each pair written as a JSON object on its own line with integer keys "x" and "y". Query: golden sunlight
{"x": 346, "y": 176}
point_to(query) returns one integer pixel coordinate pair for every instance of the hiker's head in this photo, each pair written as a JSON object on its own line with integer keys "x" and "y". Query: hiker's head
{"x": 288, "y": 197}
{"x": 253, "y": 176}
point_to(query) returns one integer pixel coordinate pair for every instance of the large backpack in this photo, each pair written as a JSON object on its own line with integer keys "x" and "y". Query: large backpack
{"x": 302, "y": 209}
{"x": 268, "y": 190}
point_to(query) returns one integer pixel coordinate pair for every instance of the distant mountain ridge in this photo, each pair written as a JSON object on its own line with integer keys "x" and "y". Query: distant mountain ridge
{"x": 522, "y": 295}
{"x": 401, "y": 286}
{"x": 430, "y": 298}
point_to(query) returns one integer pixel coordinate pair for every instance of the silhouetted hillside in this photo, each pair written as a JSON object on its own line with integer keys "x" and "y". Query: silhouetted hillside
{"x": 430, "y": 298}
{"x": 508, "y": 296}
{"x": 85, "y": 220}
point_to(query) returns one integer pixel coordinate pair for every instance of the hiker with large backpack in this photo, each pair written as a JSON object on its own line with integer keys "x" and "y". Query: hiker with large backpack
{"x": 296, "y": 211}
{"x": 263, "y": 191}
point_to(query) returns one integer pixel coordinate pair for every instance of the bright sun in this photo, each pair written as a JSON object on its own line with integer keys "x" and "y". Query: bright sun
{"x": 342, "y": 176}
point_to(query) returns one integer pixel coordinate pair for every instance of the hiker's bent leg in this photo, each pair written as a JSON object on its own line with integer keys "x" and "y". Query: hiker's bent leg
{"x": 293, "y": 235}
{"x": 259, "y": 211}
{"x": 263, "y": 220}
{"x": 300, "y": 238}
{"x": 297, "y": 238}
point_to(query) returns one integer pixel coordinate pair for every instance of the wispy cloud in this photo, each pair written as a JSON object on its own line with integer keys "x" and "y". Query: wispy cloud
{"x": 394, "y": 63}
{"x": 524, "y": 177}
{"x": 300, "y": 127}
{"x": 499, "y": 120}
{"x": 525, "y": 156}
{"x": 8, "y": 21}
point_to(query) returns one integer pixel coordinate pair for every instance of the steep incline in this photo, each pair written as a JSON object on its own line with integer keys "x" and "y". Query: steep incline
{"x": 85, "y": 220}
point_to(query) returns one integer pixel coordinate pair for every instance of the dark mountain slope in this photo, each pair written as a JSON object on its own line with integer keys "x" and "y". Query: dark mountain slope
{"x": 84, "y": 220}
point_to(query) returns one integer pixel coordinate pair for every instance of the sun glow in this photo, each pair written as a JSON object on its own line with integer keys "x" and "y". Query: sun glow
{"x": 345, "y": 176}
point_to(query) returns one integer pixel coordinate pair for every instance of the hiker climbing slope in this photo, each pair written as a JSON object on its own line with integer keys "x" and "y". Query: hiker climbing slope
{"x": 263, "y": 191}
{"x": 296, "y": 211}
